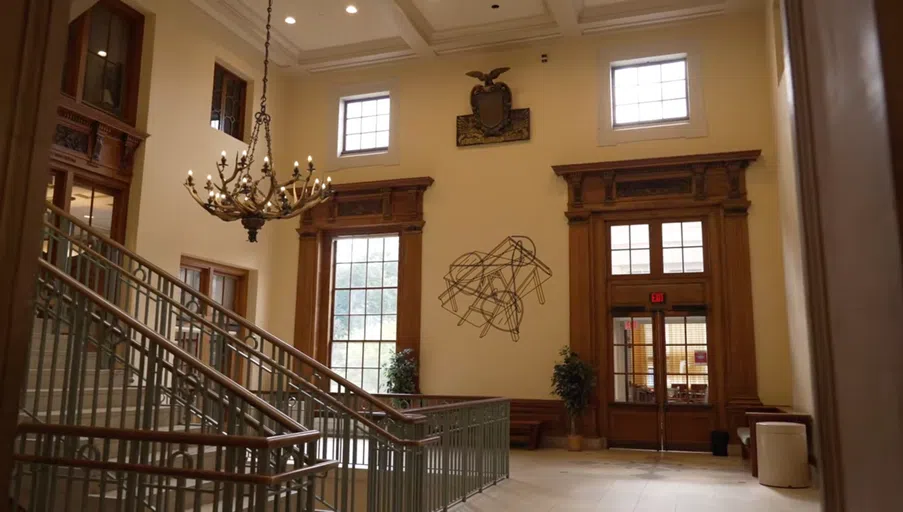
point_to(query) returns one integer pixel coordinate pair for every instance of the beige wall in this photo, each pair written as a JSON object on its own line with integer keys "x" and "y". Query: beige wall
{"x": 181, "y": 46}
{"x": 483, "y": 194}
{"x": 791, "y": 235}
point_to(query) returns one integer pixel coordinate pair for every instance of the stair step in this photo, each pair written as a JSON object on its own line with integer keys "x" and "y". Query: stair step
{"x": 114, "y": 417}
{"x": 104, "y": 397}
{"x": 40, "y": 378}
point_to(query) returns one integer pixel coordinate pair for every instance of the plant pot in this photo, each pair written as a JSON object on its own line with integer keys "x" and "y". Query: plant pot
{"x": 575, "y": 443}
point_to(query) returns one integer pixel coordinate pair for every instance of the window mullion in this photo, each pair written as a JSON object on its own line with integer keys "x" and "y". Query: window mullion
{"x": 656, "y": 249}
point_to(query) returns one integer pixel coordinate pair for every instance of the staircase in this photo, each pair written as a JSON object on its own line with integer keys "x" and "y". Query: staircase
{"x": 142, "y": 394}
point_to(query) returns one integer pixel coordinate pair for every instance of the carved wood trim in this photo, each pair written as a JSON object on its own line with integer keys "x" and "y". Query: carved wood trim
{"x": 711, "y": 187}
{"x": 390, "y": 206}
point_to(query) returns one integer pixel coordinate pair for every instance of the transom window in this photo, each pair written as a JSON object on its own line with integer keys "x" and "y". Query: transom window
{"x": 364, "y": 309}
{"x": 649, "y": 93}
{"x": 365, "y": 125}
{"x": 682, "y": 247}
{"x": 630, "y": 249}
{"x": 657, "y": 248}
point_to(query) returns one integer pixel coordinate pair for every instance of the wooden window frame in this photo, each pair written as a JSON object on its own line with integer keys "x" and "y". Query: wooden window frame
{"x": 369, "y": 208}
{"x": 73, "y": 82}
{"x": 240, "y": 122}
{"x": 209, "y": 268}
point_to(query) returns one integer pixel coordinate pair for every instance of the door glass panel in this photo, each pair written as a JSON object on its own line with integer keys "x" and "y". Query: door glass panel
{"x": 634, "y": 360}
{"x": 93, "y": 207}
{"x": 686, "y": 356}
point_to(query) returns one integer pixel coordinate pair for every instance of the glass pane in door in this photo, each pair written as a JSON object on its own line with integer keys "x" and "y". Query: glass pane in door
{"x": 634, "y": 360}
{"x": 687, "y": 356}
{"x": 93, "y": 207}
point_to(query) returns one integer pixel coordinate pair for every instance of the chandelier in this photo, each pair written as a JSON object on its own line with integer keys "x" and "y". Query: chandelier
{"x": 241, "y": 196}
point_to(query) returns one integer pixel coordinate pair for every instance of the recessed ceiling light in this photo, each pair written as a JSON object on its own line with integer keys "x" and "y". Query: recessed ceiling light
{"x": 102, "y": 53}
{"x": 290, "y": 20}
{"x": 495, "y": 6}
{"x": 351, "y": 9}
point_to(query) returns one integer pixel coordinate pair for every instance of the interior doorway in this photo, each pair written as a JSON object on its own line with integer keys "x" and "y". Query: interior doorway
{"x": 660, "y": 378}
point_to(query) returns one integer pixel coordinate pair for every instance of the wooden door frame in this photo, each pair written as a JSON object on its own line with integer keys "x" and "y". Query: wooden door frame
{"x": 32, "y": 46}
{"x": 850, "y": 166}
{"x": 671, "y": 187}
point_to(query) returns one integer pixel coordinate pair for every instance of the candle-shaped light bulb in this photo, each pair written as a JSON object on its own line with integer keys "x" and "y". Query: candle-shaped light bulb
{"x": 323, "y": 187}
{"x": 211, "y": 193}
{"x": 329, "y": 179}
{"x": 223, "y": 153}
{"x": 269, "y": 204}
{"x": 296, "y": 164}
{"x": 189, "y": 172}
{"x": 310, "y": 159}
{"x": 209, "y": 177}
{"x": 282, "y": 189}
{"x": 244, "y": 152}
{"x": 266, "y": 159}
{"x": 244, "y": 180}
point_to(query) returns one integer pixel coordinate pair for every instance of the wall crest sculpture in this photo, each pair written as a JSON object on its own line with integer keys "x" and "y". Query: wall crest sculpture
{"x": 493, "y": 120}
{"x": 487, "y": 290}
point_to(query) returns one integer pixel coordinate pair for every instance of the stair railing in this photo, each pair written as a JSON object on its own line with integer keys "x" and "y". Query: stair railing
{"x": 96, "y": 370}
{"x": 355, "y": 424}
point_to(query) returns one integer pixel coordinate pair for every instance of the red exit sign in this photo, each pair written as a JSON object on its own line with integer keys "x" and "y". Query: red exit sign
{"x": 657, "y": 297}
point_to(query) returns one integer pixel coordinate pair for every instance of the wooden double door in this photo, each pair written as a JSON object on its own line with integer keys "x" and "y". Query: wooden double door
{"x": 661, "y": 395}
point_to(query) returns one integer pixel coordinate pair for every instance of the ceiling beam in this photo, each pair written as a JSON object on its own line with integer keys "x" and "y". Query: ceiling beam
{"x": 407, "y": 29}
{"x": 566, "y": 15}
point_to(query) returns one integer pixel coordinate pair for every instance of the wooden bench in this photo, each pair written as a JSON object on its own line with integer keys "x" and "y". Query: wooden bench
{"x": 526, "y": 432}
{"x": 747, "y": 435}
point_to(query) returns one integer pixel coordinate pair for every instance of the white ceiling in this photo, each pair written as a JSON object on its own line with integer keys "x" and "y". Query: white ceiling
{"x": 325, "y": 37}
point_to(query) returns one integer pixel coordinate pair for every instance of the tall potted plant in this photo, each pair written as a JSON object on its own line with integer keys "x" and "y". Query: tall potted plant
{"x": 573, "y": 380}
{"x": 401, "y": 376}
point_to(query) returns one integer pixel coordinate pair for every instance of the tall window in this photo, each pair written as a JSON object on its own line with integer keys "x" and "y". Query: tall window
{"x": 227, "y": 108}
{"x": 630, "y": 249}
{"x": 682, "y": 247}
{"x": 687, "y": 359}
{"x": 109, "y": 36}
{"x": 364, "y": 308}
{"x": 365, "y": 125}
{"x": 649, "y": 93}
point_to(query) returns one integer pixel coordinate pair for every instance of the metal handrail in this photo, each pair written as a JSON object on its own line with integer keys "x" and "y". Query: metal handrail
{"x": 274, "y": 413}
{"x": 294, "y": 352}
{"x": 294, "y": 377}
{"x": 278, "y": 441}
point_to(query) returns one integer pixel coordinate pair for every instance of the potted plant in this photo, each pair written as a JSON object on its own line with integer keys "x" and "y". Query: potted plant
{"x": 401, "y": 375}
{"x": 573, "y": 380}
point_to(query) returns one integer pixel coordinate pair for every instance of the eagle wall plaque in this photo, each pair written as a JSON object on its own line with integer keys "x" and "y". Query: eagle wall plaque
{"x": 493, "y": 120}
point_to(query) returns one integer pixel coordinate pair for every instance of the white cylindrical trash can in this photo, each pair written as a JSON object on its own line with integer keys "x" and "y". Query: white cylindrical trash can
{"x": 782, "y": 454}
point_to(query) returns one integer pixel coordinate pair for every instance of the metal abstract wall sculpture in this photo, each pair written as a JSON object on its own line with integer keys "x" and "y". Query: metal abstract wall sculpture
{"x": 487, "y": 290}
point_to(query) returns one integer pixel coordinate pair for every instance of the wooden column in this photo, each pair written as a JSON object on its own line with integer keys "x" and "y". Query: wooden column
{"x": 306, "y": 299}
{"x": 409, "y": 290}
{"x": 581, "y": 311}
{"x": 32, "y": 43}
{"x": 740, "y": 381}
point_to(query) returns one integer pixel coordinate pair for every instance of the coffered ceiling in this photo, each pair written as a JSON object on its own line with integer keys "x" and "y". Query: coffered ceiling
{"x": 326, "y": 37}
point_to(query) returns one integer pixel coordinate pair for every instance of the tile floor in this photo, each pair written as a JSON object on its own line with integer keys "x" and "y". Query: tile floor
{"x": 634, "y": 481}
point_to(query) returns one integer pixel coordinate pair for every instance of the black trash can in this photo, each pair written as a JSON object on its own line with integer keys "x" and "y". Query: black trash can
{"x": 720, "y": 439}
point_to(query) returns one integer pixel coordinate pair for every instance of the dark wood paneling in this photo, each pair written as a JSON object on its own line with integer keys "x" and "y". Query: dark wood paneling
{"x": 676, "y": 294}
{"x": 633, "y": 425}
{"x": 689, "y": 427}
{"x": 551, "y": 413}
{"x": 32, "y": 46}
